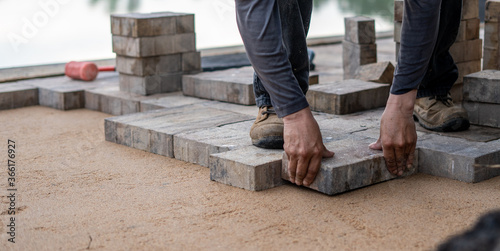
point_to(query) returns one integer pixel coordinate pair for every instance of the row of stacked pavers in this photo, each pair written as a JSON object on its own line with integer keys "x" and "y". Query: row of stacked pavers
{"x": 491, "y": 44}
{"x": 154, "y": 50}
{"x": 467, "y": 49}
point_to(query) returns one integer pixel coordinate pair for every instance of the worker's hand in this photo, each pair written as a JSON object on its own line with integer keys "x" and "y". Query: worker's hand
{"x": 398, "y": 137}
{"x": 303, "y": 146}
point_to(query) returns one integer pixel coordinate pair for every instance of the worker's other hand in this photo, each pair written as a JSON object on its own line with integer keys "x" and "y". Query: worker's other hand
{"x": 398, "y": 137}
{"x": 303, "y": 146}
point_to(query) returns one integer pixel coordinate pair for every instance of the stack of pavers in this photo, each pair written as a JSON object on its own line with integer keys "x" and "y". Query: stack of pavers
{"x": 357, "y": 92}
{"x": 359, "y": 47}
{"x": 467, "y": 50}
{"x": 491, "y": 50}
{"x": 482, "y": 97}
{"x": 154, "y": 51}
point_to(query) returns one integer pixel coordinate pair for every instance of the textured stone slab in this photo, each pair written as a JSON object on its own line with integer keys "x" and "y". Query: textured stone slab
{"x": 490, "y": 58}
{"x": 151, "y": 24}
{"x": 353, "y": 166}
{"x": 454, "y": 158}
{"x": 154, "y": 46}
{"x": 113, "y": 101}
{"x": 470, "y": 9}
{"x": 398, "y": 10}
{"x": 153, "y": 131}
{"x": 483, "y": 87}
{"x": 381, "y": 72}
{"x": 347, "y": 96}
{"x": 64, "y": 93}
{"x": 491, "y": 35}
{"x": 483, "y": 113}
{"x": 492, "y": 10}
{"x": 191, "y": 62}
{"x": 171, "y": 101}
{"x": 17, "y": 95}
{"x": 359, "y": 30}
{"x": 469, "y": 50}
{"x": 466, "y": 68}
{"x": 153, "y": 84}
{"x": 233, "y": 85}
{"x": 144, "y": 66}
{"x": 197, "y": 146}
{"x": 397, "y": 32}
{"x": 250, "y": 168}
{"x": 355, "y": 55}
{"x": 474, "y": 133}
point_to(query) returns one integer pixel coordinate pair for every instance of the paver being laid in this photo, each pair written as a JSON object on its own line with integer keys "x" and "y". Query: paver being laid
{"x": 64, "y": 93}
{"x": 455, "y": 158}
{"x": 232, "y": 85}
{"x": 250, "y": 168}
{"x": 353, "y": 166}
{"x": 17, "y": 95}
{"x": 153, "y": 131}
{"x": 197, "y": 146}
{"x": 347, "y": 96}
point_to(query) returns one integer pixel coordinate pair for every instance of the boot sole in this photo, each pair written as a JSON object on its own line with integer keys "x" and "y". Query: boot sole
{"x": 271, "y": 142}
{"x": 452, "y": 125}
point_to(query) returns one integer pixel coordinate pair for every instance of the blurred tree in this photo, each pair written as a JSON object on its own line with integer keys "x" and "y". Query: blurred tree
{"x": 381, "y": 8}
{"x": 132, "y": 5}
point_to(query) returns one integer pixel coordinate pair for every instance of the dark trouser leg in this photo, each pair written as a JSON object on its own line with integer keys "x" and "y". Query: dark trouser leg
{"x": 418, "y": 39}
{"x": 274, "y": 35}
{"x": 442, "y": 72}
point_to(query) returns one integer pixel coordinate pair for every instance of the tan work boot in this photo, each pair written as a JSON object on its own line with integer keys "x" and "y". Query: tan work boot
{"x": 267, "y": 130}
{"x": 438, "y": 113}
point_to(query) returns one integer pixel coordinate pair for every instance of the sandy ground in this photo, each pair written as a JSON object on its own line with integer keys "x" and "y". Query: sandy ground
{"x": 77, "y": 191}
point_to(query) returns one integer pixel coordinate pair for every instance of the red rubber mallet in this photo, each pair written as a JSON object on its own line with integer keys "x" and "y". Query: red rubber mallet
{"x": 86, "y": 71}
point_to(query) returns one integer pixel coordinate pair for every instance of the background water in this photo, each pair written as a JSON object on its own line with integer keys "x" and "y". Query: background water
{"x": 36, "y": 32}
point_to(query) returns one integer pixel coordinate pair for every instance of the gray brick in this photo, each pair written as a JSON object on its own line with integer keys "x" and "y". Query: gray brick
{"x": 491, "y": 35}
{"x": 397, "y": 32}
{"x": 466, "y": 68}
{"x": 490, "y": 58}
{"x": 154, "y": 46}
{"x": 454, "y": 158}
{"x": 347, "y": 96}
{"x": 250, "y": 168}
{"x": 355, "y": 55}
{"x": 250, "y": 110}
{"x": 470, "y": 9}
{"x": 398, "y": 10}
{"x": 381, "y": 72}
{"x": 64, "y": 93}
{"x": 492, "y": 10}
{"x": 472, "y": 28}
{"x": 360, "y": 30}
{"x": 16, "y": 95}
{"x": 144, "y": 25}
{"x": 483, "y": 113}
{"x": 153, "y": 84}
{"x": 483, "y": 87}
{"x": 353, "y": 166}
{"x": 151, "y": 24}
{"x": 191, "y": 62}
{"x": 153, "y": 131}
{"x": 398, "y": 47}
{"x": 473, "y": 134}
{"x": 233, "y": 85}
{"x": 196, "y": 146}
{"x": 144, "y": 66}
{"x": 172, "y": 101}
{"x": 469, "y": 50}
{"x": 113, "y": 101}
{"x": 185, "y": 23}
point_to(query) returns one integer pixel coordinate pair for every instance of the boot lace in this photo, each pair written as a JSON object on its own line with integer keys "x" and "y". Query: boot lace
{"x": 269, "y": 111}
{"x": 445, "y": 99}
